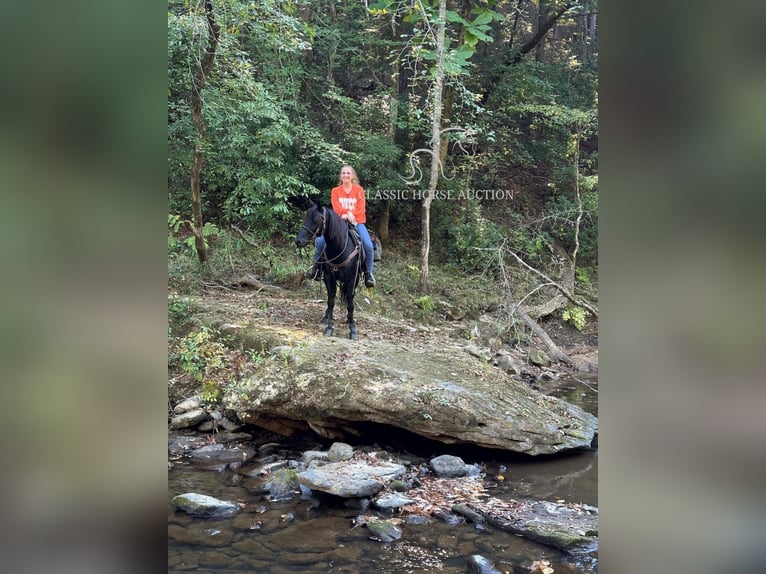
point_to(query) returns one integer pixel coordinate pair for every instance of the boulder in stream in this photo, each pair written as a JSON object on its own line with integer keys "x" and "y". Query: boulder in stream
{"x": 448, "y": 466}
{"x": 352, "y": 478}
{"x": 204, "y": 506}
{"x": 477, "y": 564}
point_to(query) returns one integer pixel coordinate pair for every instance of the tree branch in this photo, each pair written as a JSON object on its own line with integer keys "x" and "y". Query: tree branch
{"x": 563, "y": 291}
{"x": 542, "y": 30}
{"x": 242, "y": 235}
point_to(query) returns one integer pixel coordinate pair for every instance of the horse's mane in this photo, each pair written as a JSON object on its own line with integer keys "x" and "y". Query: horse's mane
{"x": 336, "y": 229}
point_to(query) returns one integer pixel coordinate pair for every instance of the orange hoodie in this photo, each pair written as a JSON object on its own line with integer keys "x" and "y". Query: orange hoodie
{"x": 354, "y": 202}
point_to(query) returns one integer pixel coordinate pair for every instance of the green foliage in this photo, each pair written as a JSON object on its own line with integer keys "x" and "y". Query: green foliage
{"x": 180, "y": 309}
{"x": 175, "y": 241}
{"x": 582, "y": 276}
{"x": 251, "y": 141}
{"x": 298, "y": 89}
{"x": 425, "y": 308}
{"x": 576, "y": 316}
{"x": 211, "y": 392}
{"x": 200, "y": 354}
{"x": 467, "y": 240}
{"x": 174, "y": 225}
{"x": 562, "y": 216}
{"x": 283, "y": 271}
{"x": 426, "y": 303}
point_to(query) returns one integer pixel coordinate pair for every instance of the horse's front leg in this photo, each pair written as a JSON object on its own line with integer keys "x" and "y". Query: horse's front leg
{"x": 349, "y": 290}
{"x": 332, "y": 290}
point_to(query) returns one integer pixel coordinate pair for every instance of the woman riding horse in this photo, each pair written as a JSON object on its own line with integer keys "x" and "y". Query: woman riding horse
{"x": 341, "y": 259}
{"x": 348, "y": 201}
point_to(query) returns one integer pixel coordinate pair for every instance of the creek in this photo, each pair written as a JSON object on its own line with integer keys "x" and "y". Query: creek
{"x": 317, "y": 534}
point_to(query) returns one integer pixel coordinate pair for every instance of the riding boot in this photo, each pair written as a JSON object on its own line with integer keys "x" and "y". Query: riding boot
{"x": 369, "y": 280}
{"x": 315, "y": 272}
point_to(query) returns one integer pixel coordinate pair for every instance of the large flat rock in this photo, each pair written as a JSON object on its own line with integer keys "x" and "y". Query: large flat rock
{"x": 443, "y": 393}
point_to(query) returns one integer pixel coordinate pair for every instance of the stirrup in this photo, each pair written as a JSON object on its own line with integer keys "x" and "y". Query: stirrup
{"x": 315, "y": 272}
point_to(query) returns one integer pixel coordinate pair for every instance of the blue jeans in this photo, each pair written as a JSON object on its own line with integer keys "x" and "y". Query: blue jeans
{"x": 364, "y": 235}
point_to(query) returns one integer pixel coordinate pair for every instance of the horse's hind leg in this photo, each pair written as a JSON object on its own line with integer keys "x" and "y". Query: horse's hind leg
{"x": 332, "y": 290}
{"x": 349, "y": 292}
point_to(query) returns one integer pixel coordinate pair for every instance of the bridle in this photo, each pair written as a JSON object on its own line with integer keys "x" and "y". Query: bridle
{"x": 319, "y": 230}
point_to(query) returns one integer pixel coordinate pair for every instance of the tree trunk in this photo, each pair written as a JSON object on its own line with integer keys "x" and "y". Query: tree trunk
{"x": 425, "y": 245}
{"x": 198, "y": 83}
{"x": 543, "y": 26}
{"x": 385, "y": 216}
{"x": 514, "y": 27}
{"x": 555, "y": 353}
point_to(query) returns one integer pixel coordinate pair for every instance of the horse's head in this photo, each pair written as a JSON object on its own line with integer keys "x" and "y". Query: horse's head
{"x": 313, "y": 225}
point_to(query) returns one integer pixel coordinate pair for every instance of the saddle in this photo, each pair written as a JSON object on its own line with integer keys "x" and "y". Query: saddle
{"x": 357, "y": 241}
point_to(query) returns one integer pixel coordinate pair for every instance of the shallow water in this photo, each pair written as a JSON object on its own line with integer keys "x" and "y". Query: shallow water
{"x": 317, "y": 535}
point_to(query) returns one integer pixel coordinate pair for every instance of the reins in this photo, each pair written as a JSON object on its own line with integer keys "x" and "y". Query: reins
{"x": 348, "y": 259}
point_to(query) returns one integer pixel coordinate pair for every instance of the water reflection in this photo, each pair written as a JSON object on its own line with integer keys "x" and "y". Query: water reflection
{"x": 318, "y": 535}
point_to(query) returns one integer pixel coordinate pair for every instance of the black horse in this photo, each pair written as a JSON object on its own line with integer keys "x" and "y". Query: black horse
{"x": 341, "y": 259}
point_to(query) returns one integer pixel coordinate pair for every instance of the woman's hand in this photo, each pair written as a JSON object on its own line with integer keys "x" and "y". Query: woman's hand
{"x": 349, "y": 217}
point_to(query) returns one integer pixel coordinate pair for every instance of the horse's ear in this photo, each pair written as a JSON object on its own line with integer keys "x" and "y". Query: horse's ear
{"x": 318, "y": 203}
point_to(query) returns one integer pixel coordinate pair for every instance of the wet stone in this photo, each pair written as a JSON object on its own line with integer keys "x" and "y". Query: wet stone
{"x": 448, "y": 466}
{"x": 392, "y": 501}
{"x": 257, "y": 485}
{"x": 351, "y": 479}
{"x": 478, "y": 564}
{"x": 229, "y": 425}
{"x": 190, "y": 404}
{"x": 218, "y": 452}
{"x": 206, "y": 426}
{"x": 188, "y": 419}
{"x": 471, "y": 515}
{"x": 204, "y": 506}
{"x": 448, "y": 518}
{"x": 473, "y": 470}
{"x": 311, "y": 455}
{"x": 226, "y": 437}
{"x": 384, "y": 531}
{"x": 264, "y": 469}
{"x": 284, "y": 484}
{"x": 268, "y": 448}
{"x": 340, "y": 451}
{"x": 181, "y": 444}
{"x": 416, "y": 519}
{"x": 306, "y": 492}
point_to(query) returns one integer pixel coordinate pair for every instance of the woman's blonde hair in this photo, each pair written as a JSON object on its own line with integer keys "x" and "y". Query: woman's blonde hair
{"x": 354, "y": 177}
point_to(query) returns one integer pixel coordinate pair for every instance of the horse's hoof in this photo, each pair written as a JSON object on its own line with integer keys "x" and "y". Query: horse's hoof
{"x": 328, "y": 331}
{"x": 353, "y": 336}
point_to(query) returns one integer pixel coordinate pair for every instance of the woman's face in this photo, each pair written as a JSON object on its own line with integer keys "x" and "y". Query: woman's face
{"x": 346, "y": 174}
